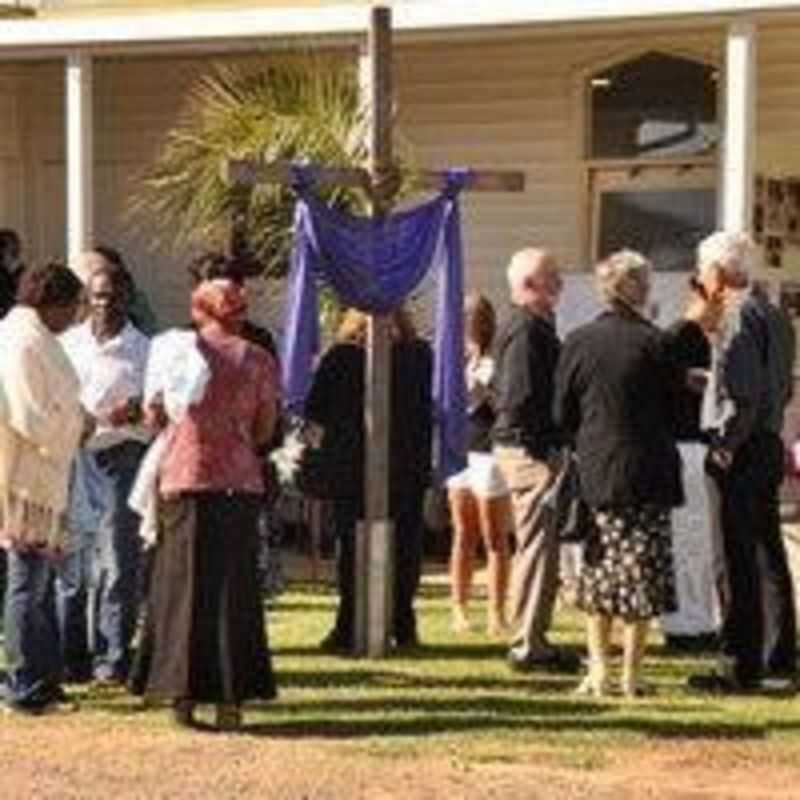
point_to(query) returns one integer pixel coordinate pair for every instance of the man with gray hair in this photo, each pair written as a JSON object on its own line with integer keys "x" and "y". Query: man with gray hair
{"x": 527, "y": 444}
{"x": 749, "y": 386}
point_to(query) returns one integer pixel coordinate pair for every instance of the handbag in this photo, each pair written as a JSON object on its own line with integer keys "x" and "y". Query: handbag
{"x": 572, "y": 517}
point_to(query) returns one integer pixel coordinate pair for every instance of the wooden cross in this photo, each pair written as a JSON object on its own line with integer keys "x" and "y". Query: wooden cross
{"x": 374, "y": 573}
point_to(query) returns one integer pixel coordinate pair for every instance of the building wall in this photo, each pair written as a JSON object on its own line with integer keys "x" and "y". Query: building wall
{"x": 497, "y": 103}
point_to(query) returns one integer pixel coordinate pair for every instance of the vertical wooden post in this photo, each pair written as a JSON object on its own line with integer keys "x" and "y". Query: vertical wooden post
{"x": 80, "y": 156}
{"x": 374, "y": 568}
{"x": 740, "y": 126}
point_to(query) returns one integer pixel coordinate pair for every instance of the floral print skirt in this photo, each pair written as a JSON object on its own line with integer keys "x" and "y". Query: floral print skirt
{"x": 627, "y": 564}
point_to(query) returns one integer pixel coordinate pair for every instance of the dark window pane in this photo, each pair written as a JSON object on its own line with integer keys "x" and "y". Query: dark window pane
{"x": 655, "y": 105}
{"x": 665, "y": 225}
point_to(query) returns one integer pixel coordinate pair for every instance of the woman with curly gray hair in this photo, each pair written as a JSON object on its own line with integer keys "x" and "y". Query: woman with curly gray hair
{"x": 614, "y": 398}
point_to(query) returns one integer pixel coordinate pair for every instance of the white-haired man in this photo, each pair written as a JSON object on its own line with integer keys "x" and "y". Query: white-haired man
{"x": 526, "y": 444}
{"x": 749, "y": 387}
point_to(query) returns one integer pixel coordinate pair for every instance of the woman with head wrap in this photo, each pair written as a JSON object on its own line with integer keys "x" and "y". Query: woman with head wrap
{"x": 205, "y": 639}
{"x": 615, "y": 389}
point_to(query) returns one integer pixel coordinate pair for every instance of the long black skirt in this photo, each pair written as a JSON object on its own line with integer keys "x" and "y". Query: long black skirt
{"x": 204, "y": 637}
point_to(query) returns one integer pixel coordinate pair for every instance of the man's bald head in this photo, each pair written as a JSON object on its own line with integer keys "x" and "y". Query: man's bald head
{"x": 534, "y": 280}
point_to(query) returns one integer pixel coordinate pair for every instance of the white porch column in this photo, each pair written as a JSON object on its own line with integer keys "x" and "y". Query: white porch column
{"x": 740, "y": 127}
{"x": 80, "y": 156}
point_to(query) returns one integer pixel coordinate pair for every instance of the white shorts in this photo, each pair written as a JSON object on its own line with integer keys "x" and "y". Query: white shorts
{"x": 482, "y": 476}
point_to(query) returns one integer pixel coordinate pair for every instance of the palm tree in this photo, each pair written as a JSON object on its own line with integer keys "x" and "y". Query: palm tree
{"x": 293, "y": 107}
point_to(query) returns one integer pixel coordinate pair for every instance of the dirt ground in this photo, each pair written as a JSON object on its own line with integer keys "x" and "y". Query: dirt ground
{"x": 121, "y": 757}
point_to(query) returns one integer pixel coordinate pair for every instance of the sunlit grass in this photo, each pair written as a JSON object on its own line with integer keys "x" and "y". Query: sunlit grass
{"x": 455, "y": 697}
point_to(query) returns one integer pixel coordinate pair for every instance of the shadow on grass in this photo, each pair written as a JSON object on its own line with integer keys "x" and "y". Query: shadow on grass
{"x": 446, "y": 722}
{"x": 369, "y": 677}
{"x": 461, "y": 651}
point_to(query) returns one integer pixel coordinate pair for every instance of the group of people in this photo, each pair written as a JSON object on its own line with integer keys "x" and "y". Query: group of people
{"x": 92, "y": 408}
{"x": 645, "y": 414}
{"x": 133, "y": 473}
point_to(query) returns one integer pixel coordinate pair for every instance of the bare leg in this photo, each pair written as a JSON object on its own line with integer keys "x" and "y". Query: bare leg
{"x": 464, "y": 513}
{"x": 495, "y": 519}
{"x": 598, "y": 640}
{"x": 634, "y": 644}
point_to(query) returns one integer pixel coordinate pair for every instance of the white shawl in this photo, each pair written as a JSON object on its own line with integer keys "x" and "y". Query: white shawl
{"x": 40, "y": 427}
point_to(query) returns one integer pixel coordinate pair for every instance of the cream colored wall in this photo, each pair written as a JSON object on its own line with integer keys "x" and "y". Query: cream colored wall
{"x": 496, "y": 104}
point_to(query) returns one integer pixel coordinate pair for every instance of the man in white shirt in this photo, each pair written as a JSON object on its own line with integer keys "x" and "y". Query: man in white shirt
{"x": 110, "y": 355}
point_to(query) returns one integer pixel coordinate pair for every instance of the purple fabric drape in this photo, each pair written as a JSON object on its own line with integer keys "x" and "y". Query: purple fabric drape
{"x": 373, "y": 265}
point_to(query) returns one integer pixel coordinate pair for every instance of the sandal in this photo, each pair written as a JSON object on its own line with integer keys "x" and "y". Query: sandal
{"x": 592, "y": 687}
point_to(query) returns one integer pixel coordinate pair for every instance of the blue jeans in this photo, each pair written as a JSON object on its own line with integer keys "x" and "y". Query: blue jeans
{"x": 74, "y": 573}
{"x": 117, "y": 561}
{"x": 33, "y": 662}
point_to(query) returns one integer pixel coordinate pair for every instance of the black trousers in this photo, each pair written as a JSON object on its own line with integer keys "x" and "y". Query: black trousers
{"x": 760, "y": 586}
{"x": 406, "y": 512}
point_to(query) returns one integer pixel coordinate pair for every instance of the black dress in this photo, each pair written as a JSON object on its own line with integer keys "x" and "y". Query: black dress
{"x": 615, "y": 397}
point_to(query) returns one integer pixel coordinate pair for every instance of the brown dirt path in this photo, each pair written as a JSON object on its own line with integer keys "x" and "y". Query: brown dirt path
{"x": 116, "y": 758}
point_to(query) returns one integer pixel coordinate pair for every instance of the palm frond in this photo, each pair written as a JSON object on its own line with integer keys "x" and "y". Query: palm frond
{"x": 296, "y": 107}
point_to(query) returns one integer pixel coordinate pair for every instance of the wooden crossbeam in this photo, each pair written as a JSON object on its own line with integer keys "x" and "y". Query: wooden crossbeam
{"x": 252, "y": 172}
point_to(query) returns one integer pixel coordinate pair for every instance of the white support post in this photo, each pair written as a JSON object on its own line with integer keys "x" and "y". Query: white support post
{"x": 740, "y": 127}
{"x": 80, "y": 156}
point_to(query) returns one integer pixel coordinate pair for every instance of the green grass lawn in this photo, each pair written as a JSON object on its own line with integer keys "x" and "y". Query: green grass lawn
{"x": 456, "y": 698}
{"x": 457, "y": 695}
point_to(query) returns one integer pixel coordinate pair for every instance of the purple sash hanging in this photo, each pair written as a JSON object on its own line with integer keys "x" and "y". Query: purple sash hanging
{"x": 373, "y": 265}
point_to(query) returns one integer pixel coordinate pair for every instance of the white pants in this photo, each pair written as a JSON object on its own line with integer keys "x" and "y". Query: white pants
{"x": 693, "y": 553}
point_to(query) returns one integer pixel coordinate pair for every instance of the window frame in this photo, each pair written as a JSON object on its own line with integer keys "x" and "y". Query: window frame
{"x": 669, "y": 171}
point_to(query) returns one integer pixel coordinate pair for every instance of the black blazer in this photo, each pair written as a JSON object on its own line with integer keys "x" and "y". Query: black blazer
{"x": 615, "y": 398}
{"x": 336, "y": 401}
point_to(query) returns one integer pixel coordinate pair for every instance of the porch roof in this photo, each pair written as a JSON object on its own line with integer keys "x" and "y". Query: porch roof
{"x": 177, "y": 29}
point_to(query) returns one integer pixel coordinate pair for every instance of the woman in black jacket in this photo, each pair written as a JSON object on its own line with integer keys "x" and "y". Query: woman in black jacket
{"x": 615, "y": 389}
{"x": 336, "y": 403}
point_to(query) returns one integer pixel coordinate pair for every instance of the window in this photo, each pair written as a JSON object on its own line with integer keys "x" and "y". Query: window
{"x": 651, "y": 148}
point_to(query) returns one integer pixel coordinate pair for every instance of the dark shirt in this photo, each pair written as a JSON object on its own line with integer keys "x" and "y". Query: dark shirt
{"x": 261, "y": 336}
{"x": 526, "y": 353}
{"x": 336, "y": 402}
{"x": 688, "y": 347}
{"x": 614, "y": 398}
{"x": 8, "y": 290}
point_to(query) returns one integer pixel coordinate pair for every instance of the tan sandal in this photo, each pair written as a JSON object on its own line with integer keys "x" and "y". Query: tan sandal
{"x": 592, "y": 687}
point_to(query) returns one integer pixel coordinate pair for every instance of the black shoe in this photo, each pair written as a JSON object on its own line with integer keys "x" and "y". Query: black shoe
{"x": 334, "y": 643}
{"x": 715, "y": 683}
{"x": 555, "y": 661}
{"x": 404, "y": 644}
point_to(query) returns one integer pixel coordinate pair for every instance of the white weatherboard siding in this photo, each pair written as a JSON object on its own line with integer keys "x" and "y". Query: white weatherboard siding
{"x": 498, "y": 103}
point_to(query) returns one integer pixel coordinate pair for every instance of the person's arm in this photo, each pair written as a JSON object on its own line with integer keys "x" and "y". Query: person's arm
{"x": 566, "y": 401}
{"x": 267, "y": 413}
{"x": 512, "y": 379}
{"x": 322, "y": 395}
{"x": 743, "y": 379}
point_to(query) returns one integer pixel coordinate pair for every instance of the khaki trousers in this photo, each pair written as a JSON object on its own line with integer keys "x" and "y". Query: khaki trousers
{"x": 534, "y": 578}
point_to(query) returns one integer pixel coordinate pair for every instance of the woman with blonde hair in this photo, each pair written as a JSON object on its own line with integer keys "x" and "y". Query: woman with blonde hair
{"x": 336, "y": 403}
{"x": 615, "y": 390}
{"x": 478, "y": 496}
